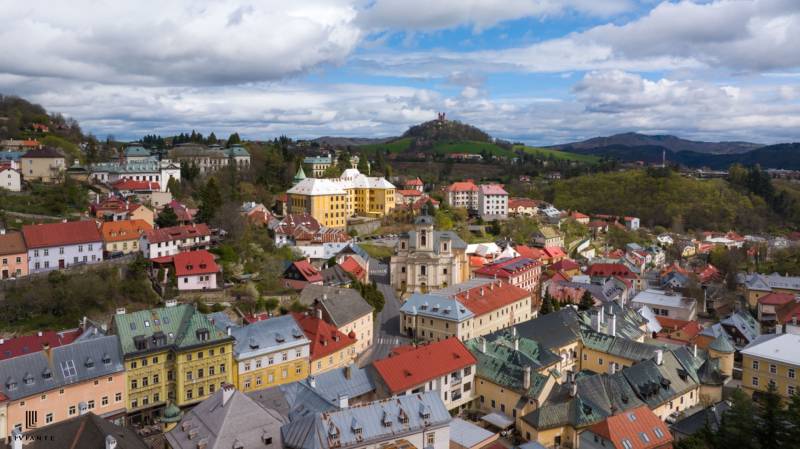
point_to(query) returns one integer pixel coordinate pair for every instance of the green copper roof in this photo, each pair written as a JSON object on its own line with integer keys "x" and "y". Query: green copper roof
{"x": 722, "y": 344}
{"x": 301, "y": 175}
{"x": 172, "y": 413}
{"x": 176, "y": 327}
{"x": 238, "y": 151}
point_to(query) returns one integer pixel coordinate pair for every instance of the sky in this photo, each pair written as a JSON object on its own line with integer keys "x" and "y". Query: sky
{"x": 537, "y": 71}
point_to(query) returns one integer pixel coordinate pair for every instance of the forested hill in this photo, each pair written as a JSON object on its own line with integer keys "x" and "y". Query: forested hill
{"x": 447, "y": 131}
{"x": 662, "y": 141}
{"x": 17, "y": 117}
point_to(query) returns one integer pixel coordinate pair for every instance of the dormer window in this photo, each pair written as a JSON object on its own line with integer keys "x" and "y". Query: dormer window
{"x": 47, "y": 374}
{"x": 89, "y": 363}
{"x": 27, "y": 379}
{"x": 106, "y": 359}
{"x": 11, "y": 384}
{"x": 203, "y": 334}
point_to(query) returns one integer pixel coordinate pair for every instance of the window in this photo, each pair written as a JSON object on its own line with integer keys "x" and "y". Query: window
{"x": 790, "y": 390}
{"x": 600, "y": 360}
{"x": 91, "y": 405}
{"x": 298, "y": 353}
{"x": 189, "y": 394}
{"x": 118, "y": 397}
{"x": 791, "y": 373}
{"x": 658, "y": 432}
{"x": 430, "y": 438}
{"x": 104, "y": 401}
{"x": 773, "y": 369}
{"x": 72, "y": 410}
{"x": 210, "y": 370}
{"x": 48, "y": 418}
{"x": 643, "y": 436}
{"x": 755, "y": 381}
{"x": 755, "y": 365}
{"x": 627, "y": 444}
{"x": 134, "y": 384}
{"x": 189, "y": 375}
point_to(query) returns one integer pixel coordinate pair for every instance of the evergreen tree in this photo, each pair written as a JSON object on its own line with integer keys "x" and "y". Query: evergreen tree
{"x": 587, "y": 301}
{"x": 792, "y": 418}
{"x": 167, "y": 218}
{"x": 234, "y": 139}
{"x": 174, "y": 187}
{"x": 547, "y": 304}
{"x": 770, "y": 430}
{"x": 738, "y": 426}
{"x": 92, "y": 149}
{"x": 212, "y": 138}
{"x": 210, "y": 201}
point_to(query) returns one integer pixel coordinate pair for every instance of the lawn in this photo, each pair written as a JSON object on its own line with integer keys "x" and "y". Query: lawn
{"x": 395, "y": 146}
{"x": 556, "y": 154}
{"x": 472, "y": 147}
{"x": 377, "y": 251}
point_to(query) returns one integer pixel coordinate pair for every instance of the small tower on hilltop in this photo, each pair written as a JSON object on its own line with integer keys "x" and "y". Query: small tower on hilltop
{"x": 441, "y": 117}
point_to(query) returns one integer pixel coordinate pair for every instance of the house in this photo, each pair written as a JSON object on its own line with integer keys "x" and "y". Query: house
{"x": 87, "y": 431}
{"x": 13, "y": 255}
{"x": 518, "y": 271}
{"x": 319, "y": 164}
{"x": 115, "y": 209}
{"x": 667, "y": 304}
{"x": 638, "y": 428}
{"x": 148, "y": 192}
{"x": 548, "y": 236}
{"x": 772, "y": 359}
{"x": 579, "y": 217}
{"x": 26, "y": 344}
{"x": 769, "y": 304}
{"x": 196, "y": 270}
{"x": 173, "y": 353}
{"x": 257, "y": 213}
{"x": 227, "y": 419}
{"x": 344, "y": 308}
{"x": 133, "y": 153}
{"x": 123, "y": 236}
{"x": 414, "y": 184}
{"x": 466, "y": 435}
{"x": 427, "y": 259}
{"x": 601, "y": 271}
{"x": 172, "y": 240}
{"x": 471, "y": 309}
{"x": 10, "y": 179}
{"x": 406, "y": 422}
{"x": 147, "y": 169}
{"x": 665, "y": 240}
{"x": 301, "y": 273}
{"x": 463, "y": 194}
{"x": 20, "y": 145}
{"x": 211, "y": 158}
{"x": 61, "y": 245}
{"x": 185, "y": 215}
{"x": 407, "y": 197}
{"x": 446, "y": 367}
{"x": 492, "y": 202}
{"x": 709, "y": 417}
{"x": 632, "y": 223}
{"x": 757, "y": 285}
{"x": 522, "y": 207}
{"x": 270, "y": 352}
{"x": 304, "y": 229}
{"x": 330, "y": 348}
{"x": 51, "y": 385}
{"x": 46, "y": 165}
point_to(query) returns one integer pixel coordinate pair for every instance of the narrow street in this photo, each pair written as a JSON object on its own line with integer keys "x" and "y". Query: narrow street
{"x": 387, "y": 322}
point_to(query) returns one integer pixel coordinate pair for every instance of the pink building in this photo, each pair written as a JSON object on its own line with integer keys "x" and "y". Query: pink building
{"x": 196, "y": 270}
{"x": 13, "y": 255}
{"x": 55, "y": 384}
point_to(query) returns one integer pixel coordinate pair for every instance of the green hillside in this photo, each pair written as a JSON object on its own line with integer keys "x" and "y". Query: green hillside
{"x": 557, "y": 154}
{"x": 395, "y": 146}
{"x": 472, "y": 147}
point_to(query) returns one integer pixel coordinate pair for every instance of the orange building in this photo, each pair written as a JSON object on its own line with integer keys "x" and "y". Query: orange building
{"x": 13, "y": 255}
{"x": 55, "y": 384}
{"x": 123, "y": 236}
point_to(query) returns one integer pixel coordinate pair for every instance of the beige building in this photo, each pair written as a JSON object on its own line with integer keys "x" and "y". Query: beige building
{"x": 426, "y": 259}
{"x": 343, "y": 308}
{"x": 46, "y": 165}
{"x": 772, "y": 359}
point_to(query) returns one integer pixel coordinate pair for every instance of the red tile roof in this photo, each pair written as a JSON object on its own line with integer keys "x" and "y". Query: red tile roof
{"x": 787, "y": 312}
{"x": 409, "y": 192}
{"x": 776, "y": 299}
{"x": 417, "y": 366}
{"x": 622, "y": 427}
{"x": 177, "y": 233}
{"x": 609, "y": 269}
{"x": 578, "y": 216}
{"x": 529, "y": 252}
{"x": 506, "y": 268}
{"x": 325, "y": 338}
{"x": 352, "y": 266}
{"x": 566, "y": 265}
{"x": 12, "y": 243}
{"x": 307, "y": 271}
{"x": 26, "y": 344}
{"x": 491, "y": 296}
{"x": 184, "y": 213}
{"x": 61, "y": 234}
{"x": 476, "y": 261}
{"x": 130, "y": 184}
{"x": 554, "y": 252}
{"x": 194, "y": 262}
{"x": 123, "y": 230}
{"x": 462, "y": 186}
{"x": 514, "y": 203}
{"x": 670, "y": 326}
{"x": 413, "y": 182}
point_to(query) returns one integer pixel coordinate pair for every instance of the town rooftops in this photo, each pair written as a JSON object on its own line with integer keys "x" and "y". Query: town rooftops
{"x": 639, "y": 427}
{"x": 767, "y": 282}
{"x": 413, "y": 182}
{"x": 87, "y": 431}
{"x": 342, "y": 305}
{"x": 553, "y": 330}
{"x": 49, "y": 369}
{"x": 178, "y": 327}
{"x": 177, "y": 233}
{"x": 60, "y": 234}
{"x": 132, "y": 184}
{"x": 419, "y": 365}
{"x": 436, "y": 306}
{"x": 136, "y": 151}
{"x": 12, "y": 243}
{"x": 411, "y": 192}
{"x": 506, "y": 268}
{"x": 492, "y": 189}
{"x": 123, "y": 230}
{"x": 783, "y": 348}
{"x": 469, "y": 435}
{"x": 367, "y": 424}
{"x": 776, "y": 299}
{"x": 483, "y": 295}
{"x": 193, "y": 263}
{"x": 45, "y": 153}
{"x": 661, "y": 298}
{"x": 27, "y": 344}
{"x": 609, "y": 269}
{"x": 325, "y": 338}
{"x": 462, "y": 186}
{"x": 273, "y": 334}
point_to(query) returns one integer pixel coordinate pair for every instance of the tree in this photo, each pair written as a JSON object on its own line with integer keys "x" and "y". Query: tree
{"x": 174, "y": 187}
{"x": 587, "y": 301}
{"x": 547, "y": 304}
{"x": 167, "y": 218}
{"x": 210, "y": 201}
{"x": 770, "y": 430}
{"x": 738, "y": 426}
{"x": 234, "y": 139}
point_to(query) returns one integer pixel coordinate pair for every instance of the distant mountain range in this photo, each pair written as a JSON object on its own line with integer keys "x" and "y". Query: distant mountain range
{"x": 631, "y": 147}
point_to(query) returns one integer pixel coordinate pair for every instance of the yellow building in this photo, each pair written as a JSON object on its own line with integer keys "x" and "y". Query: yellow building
{"x": 329, "y": 347}
{"x": 333, "y": 201}
{"x": 173, "y": 354}
{"x": 269, "y": 353}
{"x": 772, "y": 359}
{"x": 758, "y": 285}
{"x": 46, "y": 165}
{"x": 123, "y": 236}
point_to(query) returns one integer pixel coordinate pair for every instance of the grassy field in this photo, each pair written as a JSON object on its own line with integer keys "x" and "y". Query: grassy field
{"x": 473, "y": 148}
{"x": 556, "y": 154}
{"x": 395, "y": 146}
{"x": 376, "y": 251}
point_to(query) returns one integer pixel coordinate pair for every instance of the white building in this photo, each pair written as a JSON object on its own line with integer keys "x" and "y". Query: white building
{"x": 173, "y": 240}
{"x": 666, "y": 304}
{"x": 10, "y": 179}
{"x": 149, "y": 169}
{"x": 463, "y": 194}
{"x": 195, "y": 270}
{"x": 492, "y": 202}
{"x": 54, "y": 246}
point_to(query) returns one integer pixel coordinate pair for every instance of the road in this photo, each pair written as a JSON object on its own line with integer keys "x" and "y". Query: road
{"x": 387, "y": 323}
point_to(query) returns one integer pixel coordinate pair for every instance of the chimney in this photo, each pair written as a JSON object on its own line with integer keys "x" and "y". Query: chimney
{"x": 228, "y": 330}
{"x": 344, "y": 401}
{"x": 111, "y": 442}
{"x": 602, "y": 316}
{"x": 613, "y": 329}
{"x": 659, "y": 356}
{"x": 227, "y": 393}
{"x": 16, "y": 439}
{"x": 526, "y": 381}
{"x": 694, "y": 350}
{"x": 514, "y": 331}
{"x": 319, "y": 313}
{"x": 612, "y": 368}
{"x": 312, "y": 381}
{"x": 483, "y": 345}
{"x": 347, "y": 373}
{"x": 573, "y": 389}
{"x": 516, "y": 344}
{"x": 83, "y": 408}
{"x": 120, "y": 311}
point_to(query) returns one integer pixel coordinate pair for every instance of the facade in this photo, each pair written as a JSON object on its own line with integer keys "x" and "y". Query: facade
{"x": 332, "y": 201}
{"x": 329, "y": 349}
{"x": 522, "y": 207}
{"x": 270, "y": 352}
{"x": 518, "y": 271}
{"x": 467, "y": 310}
{"x": 210, "y": 158}
{"x": 427, "y": 259}
{"x": 665, "y": 304}
{"x": 172, "y": 353}
{"x": 407, "y": 422}
{"x": 319, "y": 164}
{"x": 345, "y": 309}
{"x": 492, "y": 202}
{"x": 123, "y": 236}
{"x": 446, "y": 367}
{"x": 195, "y": 270}
{"x": 549, "y": 237}
{"x": 164, "y": 242}
{"x": 10, "y": 179}
{"x": 13, "y": 255}
{"x": 772, "y": 359}
{"x": 150, "y": 169}
{"x": 46, "y": 165}
{"x": 54, "y": 246}
{"x": 463, "y": 194}
{"x": 55, "y": 384}
{"x": 757, "y": 285}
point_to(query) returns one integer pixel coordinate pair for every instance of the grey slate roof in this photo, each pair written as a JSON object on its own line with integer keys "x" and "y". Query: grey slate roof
{"x": 314, "y": 432}
{"x": 712, "y": 416}
{"x": 240, "y": 419}
{"x": 656, "y": 384}
{"x": 468, "y": 434}
{"x": 87, "y": 431}
{"x": 745, "y": 323}
{"x": 455, "y": 241}
{"x": 618, "y": 346}
{"x": 343, "y": 305}
{"x": 553, "y": 330}
{"x": 79, "y": 361}
{"x": 442, "y": 307}
{"x": 320, "y": 393}
{"x": 270, "y": 335}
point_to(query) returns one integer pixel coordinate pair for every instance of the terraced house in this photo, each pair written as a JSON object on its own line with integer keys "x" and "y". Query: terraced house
{"x": 271, "y": 352}
{"x": 172, "y": 354}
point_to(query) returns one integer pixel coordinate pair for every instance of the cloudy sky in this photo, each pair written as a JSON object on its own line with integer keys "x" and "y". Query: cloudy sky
{"x": 540, "y": 71}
